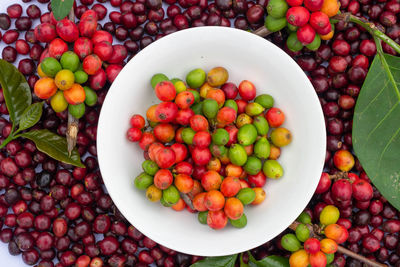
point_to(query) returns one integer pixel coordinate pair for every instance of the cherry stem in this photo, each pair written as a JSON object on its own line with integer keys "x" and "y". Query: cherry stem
{"x": 72, "y": 130}
{"x": 341, "y": 249}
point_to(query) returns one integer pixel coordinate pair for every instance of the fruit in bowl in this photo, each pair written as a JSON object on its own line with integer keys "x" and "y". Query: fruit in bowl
{"x": 272, "y": 72}
{"x": 202, "y": 124}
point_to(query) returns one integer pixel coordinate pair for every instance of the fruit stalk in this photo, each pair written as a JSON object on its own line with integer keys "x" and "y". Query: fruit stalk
{"x": 72, "y": 130}
{"x": 370, "y": 27}
{"x": 341, "y": 249}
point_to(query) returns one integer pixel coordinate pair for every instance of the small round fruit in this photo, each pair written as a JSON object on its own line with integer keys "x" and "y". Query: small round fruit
{"x": 304, "y": 217}
{"x": 90, "y": 96}
{"x": 302, "y": 232}
{"x": 58, "y": 102}
{"x": 231, "y": 186}
{"x": 217, "y": 219}
{"x": 214, "y": 200}
{"x": 70, "y": 61}
{"x": 64, "y": 79}
{"x": 318, "y": 259}
{"x": 40, "y": 71}
{"x": 50, "y": 66}
{"x": 75, "y": 95}
{"x": 165, "y": 91}
{"x": 233, "y": 208}
{"x": 336, "y": 232}
{"x": 196, "y": 78}
{"x": 184, "y": 183}
{"x": 150, "y": 167}
{"x": 81, "y": 76}
{"x": 153, "y": 193}
{"x": 77, "y": 110}
{"x": 290, "y": 242}
{"x": 265, "y": 100}
{"x": 277, "y": 8}
{"x": 260, "y": 196}
{"x": 312, "y": 245}
{"x": 330, "y": 7}
{"x": 329, "y": 215}
{"x": 239, "y": 223}
{"x": 91, "y": 64}
{"x": 143, "y": 181}
{"x": 45, "y": 87}
{"x": 159, "y": 77}
{"x": 275, "y": 117}
{"x": 272, "y": 169}
{"x": 293, "y": 43}
{"x": 299, "y": 259}
{"x": 343, "y": 160}
{"x": 328, "y": 246}
{"x": 163, "y": 179}
{"x": 281, "y": 137}
{"x": 171, "y": 195}
{"x": 246, "y": 195}
{"x": 217, "y": 76}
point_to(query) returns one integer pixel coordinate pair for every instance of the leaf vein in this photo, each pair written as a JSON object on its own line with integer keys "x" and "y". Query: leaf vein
{"x": 383, "y": 119}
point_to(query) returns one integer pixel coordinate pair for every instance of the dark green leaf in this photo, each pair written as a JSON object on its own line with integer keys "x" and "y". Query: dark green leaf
{"x": 376, "y": 126}
{"x": 53, "y": 145}
{"x": 31, "y": 116}
{"x": 61, "y": 8}
{"x": 15, "y": 89}
{"x": 270, "y": 261}
{"x": 223, "y": 261}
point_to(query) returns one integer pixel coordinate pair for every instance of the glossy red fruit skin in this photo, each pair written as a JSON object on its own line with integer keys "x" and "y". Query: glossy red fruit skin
{"x": 306, "y": 34}
{"x": 87, "y": 26}
{"x": 101, "y": 36}
{"x": 103, "y": 50}
{"x": 183, "y": 116}
{"x": 257, "y": 180}
{"x": 324, "y": 183}
{"x": 57, "y": 47}
{"x": 112, "y": 72}
{"x": 298, "y": 16}
{"x": 119, "y": 54}
{"x": 294, "y": 2}
{"x": 98, "y": 80}
{"x": 45, "y": 32}
{"x": 362, "y": 190}
{"x": 312, "y": 245}
{"x": 83, "y": 47}
{"x": 313, "y": 5}
{"x": 201, "y": 156}
{"x": 341, "y": 190}
{"x": 166, "y": 111}
{"x": 91, "y": 64}
{"x": 320, "y": 22}
{"x": 67, "y": 30}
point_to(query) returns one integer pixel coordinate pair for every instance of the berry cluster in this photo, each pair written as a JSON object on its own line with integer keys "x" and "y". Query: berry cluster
{"x": 204, "y": 143}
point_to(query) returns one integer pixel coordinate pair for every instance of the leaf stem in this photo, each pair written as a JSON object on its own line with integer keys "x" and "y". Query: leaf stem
{"x": 7, "y": 140}
{"x": 342, "y": 250}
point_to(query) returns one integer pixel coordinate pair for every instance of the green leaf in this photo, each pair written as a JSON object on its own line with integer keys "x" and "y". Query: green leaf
{"x": 223, "y": 261}
{"x": 376, "y": 126}
{"x": 15, "y": 89}
{"x": 53, "y": 145}
{"x": 61, "y": 8}
{"x": 270, "y": 261}
{"x": 30, "y": 116}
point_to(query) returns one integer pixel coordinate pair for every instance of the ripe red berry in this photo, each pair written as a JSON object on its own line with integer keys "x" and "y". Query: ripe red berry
{"x": 298, "y": 16}
{"x": 306, "y": 34}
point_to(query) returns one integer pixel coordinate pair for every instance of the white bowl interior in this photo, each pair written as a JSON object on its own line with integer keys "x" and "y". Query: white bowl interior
{"x": 246, "y": 56}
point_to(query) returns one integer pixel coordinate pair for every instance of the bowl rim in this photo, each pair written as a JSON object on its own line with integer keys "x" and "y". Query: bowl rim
{"x": 319, "y": 126}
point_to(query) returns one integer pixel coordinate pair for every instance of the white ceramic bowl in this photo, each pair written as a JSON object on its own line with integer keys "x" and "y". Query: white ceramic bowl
{"x": 246, "y": 56}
